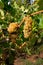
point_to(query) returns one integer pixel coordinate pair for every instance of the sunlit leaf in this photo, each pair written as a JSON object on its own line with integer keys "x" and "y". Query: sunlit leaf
{"x": 1, "y": 12}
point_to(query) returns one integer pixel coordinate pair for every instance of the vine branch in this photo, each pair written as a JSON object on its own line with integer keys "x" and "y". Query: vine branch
{"x": 36, "y": 13}
{"x": 31, "y": 15}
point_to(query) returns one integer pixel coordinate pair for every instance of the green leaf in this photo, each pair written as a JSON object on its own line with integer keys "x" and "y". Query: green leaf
{"x": 22, "y": 8}
{"x": 2, "y": 12}
{"x": 41, "y": 34}
{"x": 28, "y": 51}
{"x": 1, "y": 4}
{"x": 40, "y": 3}
{"x": 41, "y": 23}
{"x": 15, "y": 5}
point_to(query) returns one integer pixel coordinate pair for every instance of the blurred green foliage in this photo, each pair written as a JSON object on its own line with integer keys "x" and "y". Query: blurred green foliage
{"x": 14, "y": 12}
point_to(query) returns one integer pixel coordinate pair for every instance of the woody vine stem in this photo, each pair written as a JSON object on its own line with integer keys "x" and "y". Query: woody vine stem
{"x": 31, "y": 15}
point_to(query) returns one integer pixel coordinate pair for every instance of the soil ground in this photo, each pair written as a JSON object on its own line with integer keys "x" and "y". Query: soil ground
{"x": 32, "y": 59}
